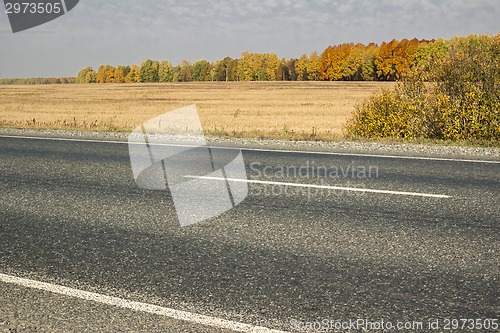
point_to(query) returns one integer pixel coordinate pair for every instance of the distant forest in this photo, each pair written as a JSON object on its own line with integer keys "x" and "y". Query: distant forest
{"x": 39, "y": 80}
{"x": 344, "y": 62}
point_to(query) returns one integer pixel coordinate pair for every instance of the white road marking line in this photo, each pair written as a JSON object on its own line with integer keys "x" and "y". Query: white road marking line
{"x": 265, "y": 150}
{"x": 137, "y": 306}
{"x": 354, "y": 189}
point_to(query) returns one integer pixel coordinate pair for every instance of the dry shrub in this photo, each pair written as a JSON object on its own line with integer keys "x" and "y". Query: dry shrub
{"x": 450, "y": 96}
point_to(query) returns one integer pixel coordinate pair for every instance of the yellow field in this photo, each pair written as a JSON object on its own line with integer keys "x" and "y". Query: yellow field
{"x": 295, "y": 110}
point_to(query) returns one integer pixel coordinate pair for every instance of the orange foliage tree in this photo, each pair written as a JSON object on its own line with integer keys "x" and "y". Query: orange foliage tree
{"x": 333, "y": 62}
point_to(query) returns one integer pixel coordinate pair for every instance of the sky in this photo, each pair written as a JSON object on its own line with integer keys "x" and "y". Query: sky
{"x": 126, "y": 32}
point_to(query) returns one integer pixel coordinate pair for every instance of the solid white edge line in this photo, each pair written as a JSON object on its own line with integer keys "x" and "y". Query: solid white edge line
{"x": 259, "y": 149}
{"x": 137, "y": 306}
{"x": 327, "y": 187}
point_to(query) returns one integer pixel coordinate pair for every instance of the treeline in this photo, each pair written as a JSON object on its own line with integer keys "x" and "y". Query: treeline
{"x": 40, "y": 80}
{"x": 346, "y": 62}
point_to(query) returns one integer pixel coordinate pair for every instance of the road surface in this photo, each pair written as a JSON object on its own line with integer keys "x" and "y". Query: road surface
{"x": 421, "y": 245}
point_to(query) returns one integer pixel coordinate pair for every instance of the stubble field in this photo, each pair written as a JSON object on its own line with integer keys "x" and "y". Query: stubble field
{"x": 293, "y": 110}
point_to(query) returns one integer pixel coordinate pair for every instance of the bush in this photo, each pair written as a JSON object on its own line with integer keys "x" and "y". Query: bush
{"x": 450, "y": 95}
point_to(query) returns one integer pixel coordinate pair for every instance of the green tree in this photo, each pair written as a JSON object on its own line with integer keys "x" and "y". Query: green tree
{"x": 230, "y": 69}
{"x": 86, "y": 75}
{"x": 201, "y": 71}
{"x": 217, "y": 71}
{"x": 368, "y": 72}
{"x": 430, "y": 49}
{"x": 149, "y": 70}
{"x": 225, "y": 70}
{"x": 90, "y": 77}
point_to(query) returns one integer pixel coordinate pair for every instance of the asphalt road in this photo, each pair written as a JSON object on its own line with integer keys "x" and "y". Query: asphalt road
{"x": 72, "y": 215}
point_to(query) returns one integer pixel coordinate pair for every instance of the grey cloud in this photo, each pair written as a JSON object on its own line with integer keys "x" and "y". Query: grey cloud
{"x": 126, "y": 31}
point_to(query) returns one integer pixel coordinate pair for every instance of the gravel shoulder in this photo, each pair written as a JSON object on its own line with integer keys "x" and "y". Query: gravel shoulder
{"x": 376, "y": 148}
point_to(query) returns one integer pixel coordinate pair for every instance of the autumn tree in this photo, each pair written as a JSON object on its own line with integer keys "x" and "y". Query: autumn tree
{"x": 301, "y": 67}
{"x": 109, "y": 72}
{"x": 308, "y": 67}
{"x": 272, "y": 65}
{"x": 259, "y": 67}
{"x": 405, "y": 54}
{"x": 165, "y": 71}
{"x": 230, "y": 69}
{"x": 183, "y": 72}
{"x": 120, "y": 73}
{"x": 201, "y": 71}
{"x": 359, "y": 64}
{"x": 134, "y": 75}
{"x": 313, "y": 67}
{"x": 86, "y": 75}
{"x": 105, "y": 74}
{"x": 395, "y": 59}
{"x": 333, "y": 62}
{"x": 100, "y": 77}
{"x": 368, "y": 72}
{"x": 225, "y": 70}
{"x": 217, "y": 71}
{"x": 247, "y": 67}
{"x": 384, "y": 61}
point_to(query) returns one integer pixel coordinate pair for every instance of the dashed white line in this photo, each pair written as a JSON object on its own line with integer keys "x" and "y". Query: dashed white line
{"x": 265, "y": 150}
{"x": 327, "y": 187}
{"x": 137, "y": 306}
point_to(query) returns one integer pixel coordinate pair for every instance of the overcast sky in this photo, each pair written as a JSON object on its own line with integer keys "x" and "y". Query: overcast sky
{"x": 126, "y": 32}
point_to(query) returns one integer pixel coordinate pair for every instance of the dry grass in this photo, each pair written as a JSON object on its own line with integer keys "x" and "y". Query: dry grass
{"x": 295, "y": 110}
